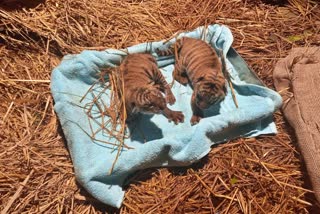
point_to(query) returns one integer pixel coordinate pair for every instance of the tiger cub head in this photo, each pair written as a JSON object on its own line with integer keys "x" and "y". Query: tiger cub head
{"x": 209, "y": 90}
{"x": 149, "y": 101}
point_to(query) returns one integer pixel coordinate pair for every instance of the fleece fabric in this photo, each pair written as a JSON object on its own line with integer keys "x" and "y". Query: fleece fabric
{"x": 162, "y": 143}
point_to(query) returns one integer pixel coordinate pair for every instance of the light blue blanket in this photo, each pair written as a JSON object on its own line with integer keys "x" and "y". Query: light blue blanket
{"x": 167, "y": 144}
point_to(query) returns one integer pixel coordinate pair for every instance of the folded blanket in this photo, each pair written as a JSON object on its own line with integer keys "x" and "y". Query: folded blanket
{"x": 298, "y": 78}
{"x": 166, "y": 144}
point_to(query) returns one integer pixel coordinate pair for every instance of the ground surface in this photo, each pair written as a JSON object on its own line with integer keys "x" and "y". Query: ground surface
{"x": 263, "y": 175}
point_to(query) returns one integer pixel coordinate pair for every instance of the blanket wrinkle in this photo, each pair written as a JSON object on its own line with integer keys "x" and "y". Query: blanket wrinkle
{"x": 167, "y": 144}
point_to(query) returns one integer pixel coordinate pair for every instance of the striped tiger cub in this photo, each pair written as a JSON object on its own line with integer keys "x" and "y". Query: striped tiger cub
{"x": 198, "y": 64}
{"x": 144, "y": 85}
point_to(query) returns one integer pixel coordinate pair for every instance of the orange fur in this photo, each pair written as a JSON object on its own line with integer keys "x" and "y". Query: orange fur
{"x": 198, "y": 64}
{"x": 144, "y": 85}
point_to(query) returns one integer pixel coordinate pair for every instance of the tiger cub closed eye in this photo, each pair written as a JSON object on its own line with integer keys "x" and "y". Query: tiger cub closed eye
{"x": 144, "y": 85}
{"x": 198, "y": 64}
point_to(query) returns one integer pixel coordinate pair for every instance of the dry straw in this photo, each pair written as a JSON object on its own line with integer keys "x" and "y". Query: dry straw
{"x": 262, "y": 175}
{"x": 111, "y": 118}
{"x": 228, "y": 77}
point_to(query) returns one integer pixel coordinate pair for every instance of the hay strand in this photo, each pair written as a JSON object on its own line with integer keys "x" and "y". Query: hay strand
{"x": 227, "y": 76}
{"x": 33, "y": 41}
{"x": 17, "y": 193}
{"x": 111, "y": 116}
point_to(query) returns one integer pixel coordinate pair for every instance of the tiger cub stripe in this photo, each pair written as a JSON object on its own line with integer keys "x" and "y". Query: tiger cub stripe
{"x": 144, "y": 85}
{"x": 198, "y": 64}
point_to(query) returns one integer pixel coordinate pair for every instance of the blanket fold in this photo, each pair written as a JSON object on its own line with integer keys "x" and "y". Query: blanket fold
{"x": 162, "y": 143}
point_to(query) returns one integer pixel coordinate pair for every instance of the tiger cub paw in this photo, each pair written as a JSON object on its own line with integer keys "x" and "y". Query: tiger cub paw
{"x": 170, "y": 99}
{"x": 195, "y": 119}
{"x": 176, "y": 117}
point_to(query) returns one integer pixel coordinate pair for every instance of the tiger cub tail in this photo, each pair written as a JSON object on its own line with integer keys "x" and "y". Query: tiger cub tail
{"x": 171, "y": 50}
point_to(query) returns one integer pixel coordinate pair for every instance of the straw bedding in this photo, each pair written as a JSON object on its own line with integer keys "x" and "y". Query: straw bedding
{"x": 262, "y": 175}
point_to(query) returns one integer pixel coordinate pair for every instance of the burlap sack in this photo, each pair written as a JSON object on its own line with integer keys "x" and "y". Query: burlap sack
{"x": 297, "y": 78}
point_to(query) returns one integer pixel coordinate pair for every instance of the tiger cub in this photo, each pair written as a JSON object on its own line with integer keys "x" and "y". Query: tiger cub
{"x": 144, "y": 85}
{"x": 198, "y": 64}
